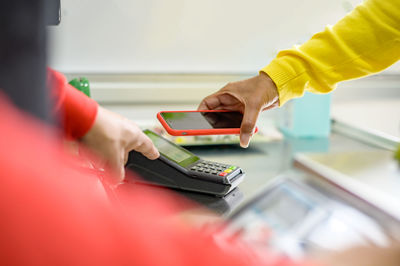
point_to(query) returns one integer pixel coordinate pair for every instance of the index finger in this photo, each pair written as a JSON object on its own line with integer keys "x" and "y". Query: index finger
{"x": 145, "y": 146}
{"x": 210, "y": 102}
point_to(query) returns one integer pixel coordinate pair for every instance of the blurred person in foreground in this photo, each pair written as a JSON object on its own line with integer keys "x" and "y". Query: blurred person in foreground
{"x": 23, "y": 78}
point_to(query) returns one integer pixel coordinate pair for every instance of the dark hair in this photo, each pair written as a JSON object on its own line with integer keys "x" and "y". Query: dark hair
{"x": 23, "y": 55}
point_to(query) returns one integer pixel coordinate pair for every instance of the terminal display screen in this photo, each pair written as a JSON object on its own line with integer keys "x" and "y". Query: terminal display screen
{"x": 172, "y": 151}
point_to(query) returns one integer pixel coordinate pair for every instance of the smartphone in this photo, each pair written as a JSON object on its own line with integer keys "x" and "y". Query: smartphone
{"x": 203, "y": 122}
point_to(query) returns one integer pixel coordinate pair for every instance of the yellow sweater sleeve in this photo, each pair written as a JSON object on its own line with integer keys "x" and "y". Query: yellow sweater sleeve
{"x": 365, "y": 41}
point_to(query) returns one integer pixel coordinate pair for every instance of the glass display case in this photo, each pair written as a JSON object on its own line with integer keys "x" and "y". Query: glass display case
{"x": 299, "y": 217}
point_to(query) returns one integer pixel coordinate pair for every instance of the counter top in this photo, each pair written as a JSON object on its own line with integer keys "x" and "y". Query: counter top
{"x": 262, "y": 162}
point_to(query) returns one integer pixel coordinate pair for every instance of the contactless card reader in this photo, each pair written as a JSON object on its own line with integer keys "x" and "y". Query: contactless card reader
{"x": 179, "y": 168}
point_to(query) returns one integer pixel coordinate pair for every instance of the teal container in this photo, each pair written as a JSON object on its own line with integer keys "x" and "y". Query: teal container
{"x": 307, "y": 117}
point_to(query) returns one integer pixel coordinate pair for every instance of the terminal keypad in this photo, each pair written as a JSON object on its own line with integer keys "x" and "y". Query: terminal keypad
{"x": 213, "y": 168}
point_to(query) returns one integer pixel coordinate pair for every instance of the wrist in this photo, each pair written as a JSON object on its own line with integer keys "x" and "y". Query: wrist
{"x": 269, "y": 87}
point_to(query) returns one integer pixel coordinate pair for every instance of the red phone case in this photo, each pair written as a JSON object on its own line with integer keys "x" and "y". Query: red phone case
{"x": 194, "y": 132}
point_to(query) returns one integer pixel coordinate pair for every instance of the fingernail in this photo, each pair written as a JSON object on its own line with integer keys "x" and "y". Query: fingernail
{"x": 244, "y": 140}
{"x": 154, "y": 156}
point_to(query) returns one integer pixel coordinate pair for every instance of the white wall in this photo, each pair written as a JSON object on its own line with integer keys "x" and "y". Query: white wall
{"x": 183, "y": 36}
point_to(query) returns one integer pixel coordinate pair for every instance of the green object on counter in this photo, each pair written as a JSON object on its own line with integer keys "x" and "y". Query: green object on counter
{"x": 397, "y": 155}
{"x": 81, "y": 84}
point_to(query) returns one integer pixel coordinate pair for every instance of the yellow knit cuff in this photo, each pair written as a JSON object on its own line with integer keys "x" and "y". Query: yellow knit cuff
{"x": 289, "y": 84}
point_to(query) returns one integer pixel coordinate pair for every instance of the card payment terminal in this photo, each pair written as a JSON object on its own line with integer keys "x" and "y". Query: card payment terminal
{"x": 181, "y": 169}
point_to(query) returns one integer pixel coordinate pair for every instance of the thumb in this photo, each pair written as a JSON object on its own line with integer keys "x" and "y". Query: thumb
{"x": 248, "y": 124}
{"x": 116, "y": 169}
{"x": 117, "y": 174}
{"x": 121, "y": 174}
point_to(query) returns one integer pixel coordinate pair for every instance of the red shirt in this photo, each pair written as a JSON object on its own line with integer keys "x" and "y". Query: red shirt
{"x": 55, "y": 212}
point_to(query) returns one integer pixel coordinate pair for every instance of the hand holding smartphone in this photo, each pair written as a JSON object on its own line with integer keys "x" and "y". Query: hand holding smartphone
{"x": 203, "y": 122}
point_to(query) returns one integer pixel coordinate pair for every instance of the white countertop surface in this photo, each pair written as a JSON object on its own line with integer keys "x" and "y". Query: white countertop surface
{"x": 382, "y": 115}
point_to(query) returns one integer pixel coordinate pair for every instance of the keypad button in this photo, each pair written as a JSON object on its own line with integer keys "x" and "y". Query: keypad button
{"x": 213, "y": 168}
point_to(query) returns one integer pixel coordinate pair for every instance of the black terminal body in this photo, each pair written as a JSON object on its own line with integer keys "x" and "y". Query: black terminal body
{"x": 178, "y": 168}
